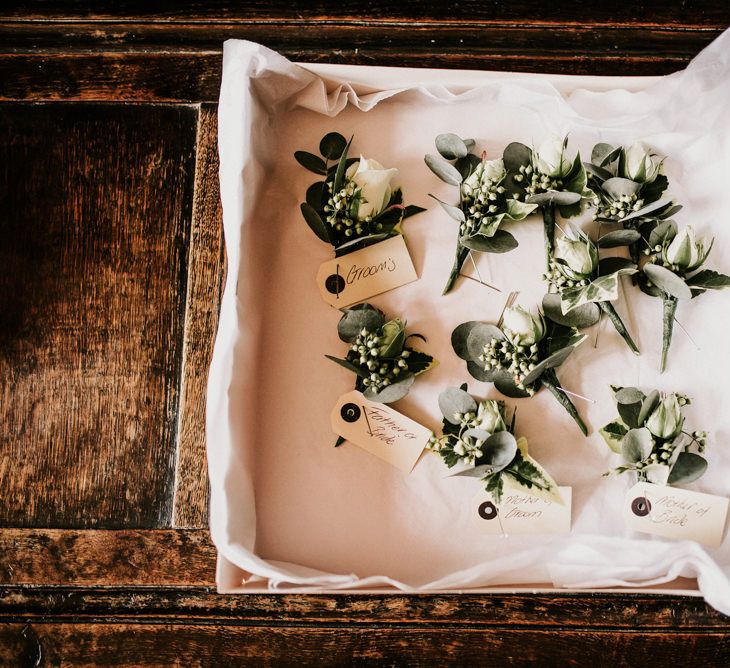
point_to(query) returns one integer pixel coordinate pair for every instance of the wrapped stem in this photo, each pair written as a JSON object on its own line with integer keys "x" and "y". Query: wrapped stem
{"x": 670, "y": 308}
{"x": 548, "y": 224}
{"x": 615, "y": 318}
{"x": 461, "y": 253}
{"x": 550, "y": 380}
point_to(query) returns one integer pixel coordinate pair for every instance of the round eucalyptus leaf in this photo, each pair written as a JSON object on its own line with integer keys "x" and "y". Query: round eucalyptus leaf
{"x": 688, "y": 467}
{"x": 600, "y": 152}
{"x": 648, "y": 405}
{"x": 477, "y": 370}
{"x": 499, "y": 450}
{"x": 667, "y": 281}
{"x": 501, "y": 242}
{"x": 516, "y": 155}
{"x": 358, "y": 318}
{"x": 467, "y": 165}
{"x": 558, "y": 197}
{"x": 629, "y": 395}
{"x": 332, "y": 145}
{"x": 617, "y": 187}
{"x": 453, "y": 211}
{"x": 453, "y": 400}
{"x": 610, "y": 265}
{"x": 555, "y": 360}
{"x": 311, "y": 162}
{"x": 585, "y": 315}
{"x": 392, "y": 392}
{"x": 443, "y": 169}
{"x": 451, "y": 146}
{"x": 654, "y": 208}
{"x": 618, "y": 238}
{"x": 507, "y": 386}
{"x": 478, "y": 338}
{"x": 314, "y": 195}
{"x": 637, "y": 445}
{"x": 316, "y": 224}
{"x": 459, "y": 338}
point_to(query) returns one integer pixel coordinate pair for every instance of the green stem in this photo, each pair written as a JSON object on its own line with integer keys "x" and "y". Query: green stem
{"x": 615, "y": 318}
{"x": 548, "y": 224}
{"x": 670, "y": 308}
{"x": 461, "y": 253}
{"x": 550, "y": 380}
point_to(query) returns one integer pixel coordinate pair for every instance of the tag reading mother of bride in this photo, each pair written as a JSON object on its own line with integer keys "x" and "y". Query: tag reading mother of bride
{"x": 676, "y": 513}
{"x": 358, "y": 276}
{"x": 380, "y": 430}
{"x": 521, "y": 513}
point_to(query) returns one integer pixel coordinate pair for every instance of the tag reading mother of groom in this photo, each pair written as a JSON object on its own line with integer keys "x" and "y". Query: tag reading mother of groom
{"x": 380, "y": 430}
{"x": 676, "y": 513}
{"x": 358, "y": 276}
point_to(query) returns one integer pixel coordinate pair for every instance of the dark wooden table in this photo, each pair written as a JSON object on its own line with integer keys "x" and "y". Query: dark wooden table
{"x": 111, "y": 261}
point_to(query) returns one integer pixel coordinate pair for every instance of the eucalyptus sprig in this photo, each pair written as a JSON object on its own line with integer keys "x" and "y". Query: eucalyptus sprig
{"x": 521, "y": 357}
{"x": 379, "y": 355}
{"x": 484, "y": 201}
{"x": 354, "y": 206}
{"x": 580, "y": 283}
{"x": 650, "y": 436}
{"x": 549, "y": 178}
{"x": 475, "y": 433}
{"x": 629, "y": 184}
{"x": 672, "y": 272}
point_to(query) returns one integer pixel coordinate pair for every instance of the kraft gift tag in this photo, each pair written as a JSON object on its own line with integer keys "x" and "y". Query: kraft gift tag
{"x": 521, "y": 513}
{"x": 362, "y": 274}
{"x": 380, "y": 430}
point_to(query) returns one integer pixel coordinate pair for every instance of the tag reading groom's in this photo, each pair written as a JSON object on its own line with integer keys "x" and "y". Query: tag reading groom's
{"x": 358, "y": 276}
{"x": 380, "y": 430}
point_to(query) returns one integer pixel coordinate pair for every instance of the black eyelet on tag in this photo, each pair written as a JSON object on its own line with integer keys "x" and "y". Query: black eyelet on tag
{"x": 641, "y": 506}
{"x": 487, "y": 510}
{"x": 350, "y": 412}
{"x": 334, "y": 283}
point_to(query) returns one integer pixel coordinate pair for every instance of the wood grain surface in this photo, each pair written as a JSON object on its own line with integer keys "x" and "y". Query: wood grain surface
{"x": 94, "y": 222}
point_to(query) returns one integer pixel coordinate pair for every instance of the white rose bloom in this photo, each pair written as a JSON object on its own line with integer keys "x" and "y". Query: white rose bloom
{"x": 551, "y": 157}
{"x": 487, "y": 169}
{"x": 685, "y": 251}
{"x": 489, "y": 417}
{"x": 639, "y": 164}
{"x": 374, "y": 183}
{"x": 666, "y": 420}
{"x": 580, "y": 256}
{"x": 525, "y": 327}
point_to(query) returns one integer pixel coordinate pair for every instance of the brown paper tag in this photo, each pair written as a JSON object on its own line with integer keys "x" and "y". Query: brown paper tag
{"x": 521, "y": 513}
{"x": 380, "y": 430}
{"x": 358, "y": 276}
{"x": 676, "y": 513}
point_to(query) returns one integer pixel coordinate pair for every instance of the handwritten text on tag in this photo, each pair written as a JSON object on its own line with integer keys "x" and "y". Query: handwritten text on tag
{"x": 380, "y": 430}
{"x": 520, "y": 513}
{"x": 676, "y": 513}
{"x": 357, "y": 276}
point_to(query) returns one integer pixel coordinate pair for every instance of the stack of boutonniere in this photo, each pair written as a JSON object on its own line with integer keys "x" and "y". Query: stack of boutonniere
{"x": 549, "y": 178}
{"x": 385, "y": 365}
{"x": 628, "y": 187}
{"x": 521, "y": 356}
{"x": 672, "y": 272}
{"x": 581, "y": 284}
{"x": 355, "y": 205}
{"x": 476, "y": 434}
{"x": 651, "y": 438}
{"x": 484, "y": 204}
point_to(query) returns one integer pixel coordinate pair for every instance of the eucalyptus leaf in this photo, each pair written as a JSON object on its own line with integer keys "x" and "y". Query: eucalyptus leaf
{"x": 453, "y": 401}
{"x": 648, "y": 405}
{"x": 505, "y": 384}
{"x": 554, "y": 360}
{"x": 459, "y": 338}
{"x": 454, "y": 211}
{"x": 597, "y": 171}
{"x": 600, "y": 152}
{"x": 314, "y": 195}
{"x": 316, "y": 224}
{"x": 618, "y": 187}
{"x": 499, "y": 450}
{"x": 332, "y": 145}
{"x": 479, "y": 337}
{"x": 451, "y": 146}
{"x": 467, "y": 165}
{"x": 667, "y": 281}
{"x": 688, "y": 467}
{"x": 585, "y": 315}
{"x": 557, "y": 197}
{"x": 311, "y": 162}
{"x": 646, "y": 210}
{"x": 664, "y": 231}
{"x": 629, "y": 395}
{"x": 610, "y": 265}
{"x": 354, "y": 320}
{"x": 477, "y": 371}
{"x": 500, "y": 242}
{"x": 637, "y": 445}
{"x": 477, "y": 434}
{"x": 629, "y": 414}
{"x": 443, "y": 169}
{"x": 618, "y": 238}
{"x": 392, "y": 392}
{"x": 515, "y": 156}
{"x": 349, "y": 366}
